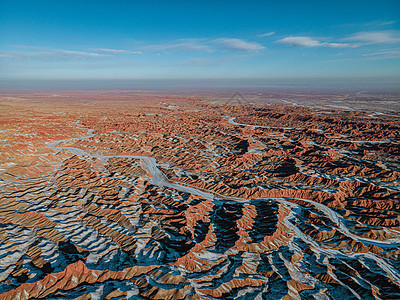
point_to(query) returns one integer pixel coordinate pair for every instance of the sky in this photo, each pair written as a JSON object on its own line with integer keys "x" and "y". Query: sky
{"x": 121, "y": 39}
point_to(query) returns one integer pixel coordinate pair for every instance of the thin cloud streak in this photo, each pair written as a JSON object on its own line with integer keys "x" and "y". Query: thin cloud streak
{"x": 181, "y": 45}
{"x": 71, "y": 53}
{"x": 392, "y": 52}
{"x": 53, "y": 54}
{"x": 375, "y": 37}
{"x": 306, "y": 41}
{"x": 379, "y": 55}
{"x": 368, "y": 25}
{"x": 207, "y": 45}
{"x": 238, "y": 44}
{"x": 385, "y": 54}
{"x": 266, "y": 34}
{"x": 116, "y": 51}
{"x": 301, "y": 41}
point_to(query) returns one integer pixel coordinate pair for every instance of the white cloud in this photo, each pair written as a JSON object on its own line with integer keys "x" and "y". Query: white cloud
{"x": 339, "y": 45}
{"x": 266, "y": 34}
{"x": 375, "y": 37}
{"x": 238, "y": 44}
{"x": 302, "y": 41}
{"x": 53, "y": 54}
{"x": 71, "y": 53}
{"x": 306, "y": 41}
{"x": 207, "y": 45}
{"x": 384, "y": 54}
{"x": 180, "y": 45}
{"x": 392, "y": 52}
{"x": 116, "y": 51}
{"x": 369, "y": 25}
{"x": 386, "y": 23}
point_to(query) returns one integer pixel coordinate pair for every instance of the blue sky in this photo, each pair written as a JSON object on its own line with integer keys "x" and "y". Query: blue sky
{"x": 203, "y": 39}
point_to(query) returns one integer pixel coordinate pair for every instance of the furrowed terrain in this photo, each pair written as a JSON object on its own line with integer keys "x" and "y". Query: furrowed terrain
{"x": 137, "y": 196}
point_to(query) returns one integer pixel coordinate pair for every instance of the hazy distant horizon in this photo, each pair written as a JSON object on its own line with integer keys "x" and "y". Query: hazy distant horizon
{"x": 387, "y": 85}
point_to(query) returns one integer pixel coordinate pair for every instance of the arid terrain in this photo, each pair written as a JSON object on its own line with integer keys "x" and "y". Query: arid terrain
{"x": 145, "y": 195}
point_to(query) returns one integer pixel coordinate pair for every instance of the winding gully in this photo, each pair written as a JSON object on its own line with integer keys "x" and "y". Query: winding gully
{"x": 159, "y": 179}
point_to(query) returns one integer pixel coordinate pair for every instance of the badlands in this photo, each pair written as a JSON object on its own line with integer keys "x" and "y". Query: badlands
{"x": 150, "y": 195}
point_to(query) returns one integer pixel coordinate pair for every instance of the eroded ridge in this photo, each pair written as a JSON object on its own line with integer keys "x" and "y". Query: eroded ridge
{"x": 179, "y": 198}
